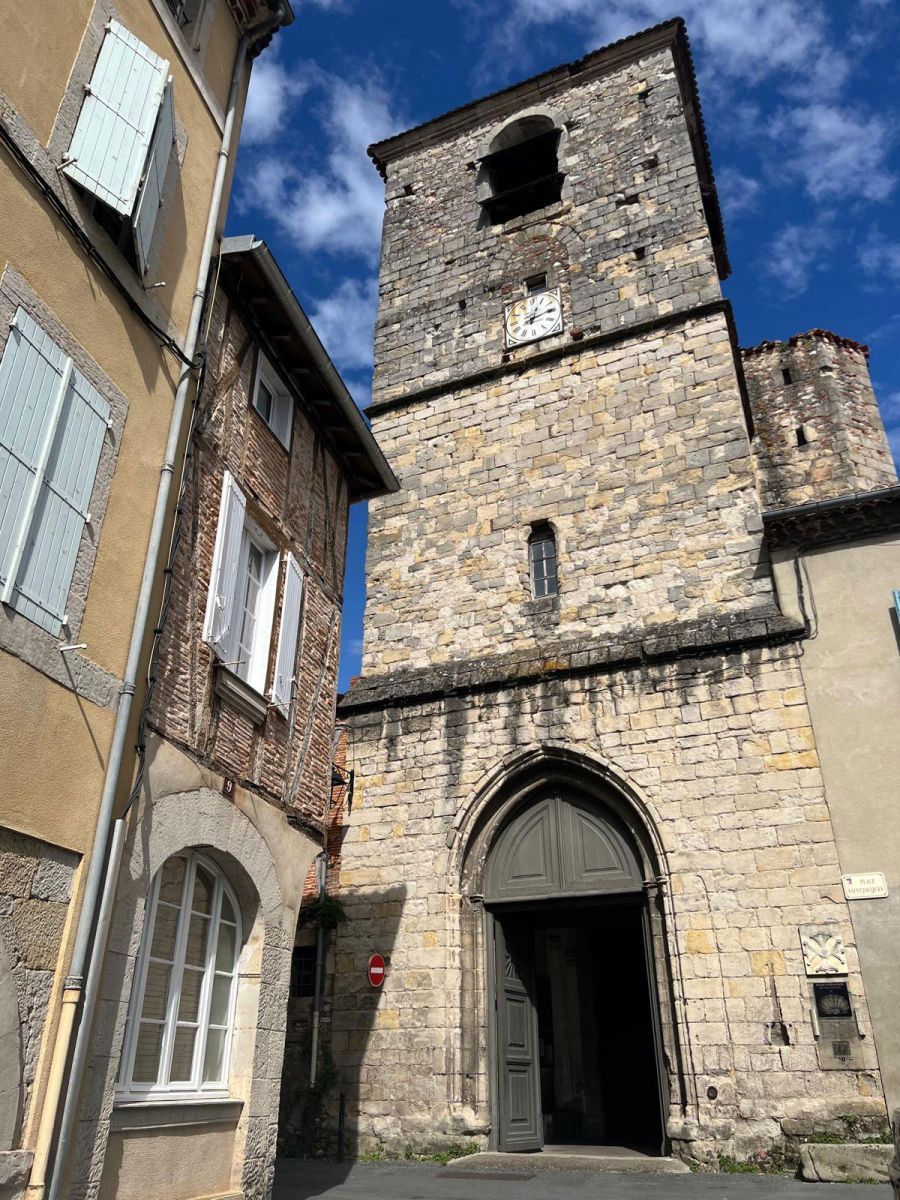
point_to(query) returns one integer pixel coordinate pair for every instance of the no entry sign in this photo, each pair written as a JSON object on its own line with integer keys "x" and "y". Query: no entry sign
{"x": 376, "y": 970}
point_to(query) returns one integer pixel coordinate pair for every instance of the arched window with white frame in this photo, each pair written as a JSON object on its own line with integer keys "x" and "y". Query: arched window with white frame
{"x": 178, "y": 1035}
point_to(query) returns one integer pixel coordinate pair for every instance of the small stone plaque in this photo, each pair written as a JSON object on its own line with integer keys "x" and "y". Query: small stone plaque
{"x": 823, "y": 950}
{"x": 868, "y": 886}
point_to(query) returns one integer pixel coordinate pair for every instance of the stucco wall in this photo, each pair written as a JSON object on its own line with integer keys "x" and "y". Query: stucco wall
{"x": 851, "y": 670}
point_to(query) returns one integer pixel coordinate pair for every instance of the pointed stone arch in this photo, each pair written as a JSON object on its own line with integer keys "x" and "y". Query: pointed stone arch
{"x": 548, "y": 825}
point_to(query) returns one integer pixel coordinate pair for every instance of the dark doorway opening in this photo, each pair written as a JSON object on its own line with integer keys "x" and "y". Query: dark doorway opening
{"x": 597, "y": 1049}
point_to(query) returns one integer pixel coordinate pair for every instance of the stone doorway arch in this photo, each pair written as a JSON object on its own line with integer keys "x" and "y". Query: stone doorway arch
{"x": 554, "y": 835}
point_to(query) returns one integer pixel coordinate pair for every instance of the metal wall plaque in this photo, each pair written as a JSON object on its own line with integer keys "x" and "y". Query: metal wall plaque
{"x": 870, "y": 885}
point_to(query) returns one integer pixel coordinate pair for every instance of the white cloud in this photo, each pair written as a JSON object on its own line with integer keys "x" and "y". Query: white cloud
{"x": 879, "y": 257}
{"x": 273, "y": 88}
{"x": 739, "y": 193}
{"x": 747, "y": 40}
{"x": 836, "y": 151}
{"x": 337, "y": 208}
{"x": 794, "y": 254}
{"x": 345, "y": 321}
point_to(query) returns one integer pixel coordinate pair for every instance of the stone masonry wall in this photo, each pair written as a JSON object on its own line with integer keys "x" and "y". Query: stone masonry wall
{"x": 722, "y": 754}
{"x": 627, "y": 242}
{"x": 300, "y": 501}
{"x": 636, "y": 452}
{"x": 35, "y": 888}
{"x": 820, "y": 435}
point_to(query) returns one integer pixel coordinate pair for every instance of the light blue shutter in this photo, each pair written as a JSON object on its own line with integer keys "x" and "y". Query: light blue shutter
{"x": 112, "y": 135}
{"x": 150, "y": 198}
{"x": 286, "y": 657}
{"x": 31, "y": 377}
{"x": 64, "y": 423}
{"x": 220, "y": 623}
{"x": 63, "y": 506}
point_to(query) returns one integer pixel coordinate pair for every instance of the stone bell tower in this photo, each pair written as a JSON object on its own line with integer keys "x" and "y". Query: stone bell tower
{"x": 576, "y": 682}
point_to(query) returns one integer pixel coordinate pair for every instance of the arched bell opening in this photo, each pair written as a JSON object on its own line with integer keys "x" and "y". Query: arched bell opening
{"x": 561, "y": 884}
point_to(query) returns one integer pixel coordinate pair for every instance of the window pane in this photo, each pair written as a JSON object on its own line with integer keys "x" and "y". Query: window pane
{"x": 198, "y": 935}
{"x": 164, "y": 931}
{"x": 172, "y": 880}
{"x": 203, "y": 891}
{"x": 227, "y": 908}
{"x": 225, "y": 948}
{"x": 146, "y": 1055}
{"x": 252, "y": 588}
{"x": 156, "y": 989}
{"x": 221, "y": 995}
{"x": 214, "y": 1059}
{"x": 189, "y": 1004}
{"x": 264, "y": 401}
{"x": 182, "y": 1055}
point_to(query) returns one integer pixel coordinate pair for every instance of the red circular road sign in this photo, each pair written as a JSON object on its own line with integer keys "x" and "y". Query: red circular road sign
{"x": 376, "y": 970}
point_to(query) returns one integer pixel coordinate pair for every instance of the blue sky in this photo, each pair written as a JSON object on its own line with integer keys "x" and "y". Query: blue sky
{"x": 802, "y": 106}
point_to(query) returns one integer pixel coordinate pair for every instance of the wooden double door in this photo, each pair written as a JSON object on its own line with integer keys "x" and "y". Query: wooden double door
{"x": 577, "y": 1044}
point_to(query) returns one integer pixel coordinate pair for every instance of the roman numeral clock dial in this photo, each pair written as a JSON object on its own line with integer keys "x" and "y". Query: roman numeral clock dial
{"x": 534, "y": 317}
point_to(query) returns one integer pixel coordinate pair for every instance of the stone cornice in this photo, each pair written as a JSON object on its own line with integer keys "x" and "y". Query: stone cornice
{"x": 635, "y": 648}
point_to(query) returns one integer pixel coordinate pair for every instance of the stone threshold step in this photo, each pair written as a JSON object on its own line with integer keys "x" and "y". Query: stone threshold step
{"x": 547, "y": 1160}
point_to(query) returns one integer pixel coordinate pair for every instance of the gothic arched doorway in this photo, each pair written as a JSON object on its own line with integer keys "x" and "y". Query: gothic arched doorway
{"x": 576, "y": 1032}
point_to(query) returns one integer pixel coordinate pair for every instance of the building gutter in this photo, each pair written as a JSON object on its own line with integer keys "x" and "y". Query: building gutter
{"x": 248, "y": 244}
{"x": 90, "y": 938}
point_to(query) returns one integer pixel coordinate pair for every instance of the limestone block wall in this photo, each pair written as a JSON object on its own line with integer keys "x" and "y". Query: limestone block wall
{"x": 300, "y": 501}
{"x": 721, "y": 754}
{"x": 628, "y": 241}
{"x": 636, "y": 453}
{"x": 35, "y": 888}
{"x": 819, "y": 432}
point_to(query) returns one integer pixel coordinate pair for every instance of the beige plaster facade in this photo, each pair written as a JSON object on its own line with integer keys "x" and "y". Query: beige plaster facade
{"x": 851, "y": 673}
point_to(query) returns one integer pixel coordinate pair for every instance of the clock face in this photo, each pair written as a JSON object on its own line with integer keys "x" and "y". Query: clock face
{"x": 535, "y": 317}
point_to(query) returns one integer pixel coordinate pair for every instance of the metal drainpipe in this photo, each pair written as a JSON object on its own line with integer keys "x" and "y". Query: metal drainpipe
{"x": 102, "y": 870}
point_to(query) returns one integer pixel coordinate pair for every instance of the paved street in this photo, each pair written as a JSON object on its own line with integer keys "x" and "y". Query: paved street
{"x": 297, "y": 1179}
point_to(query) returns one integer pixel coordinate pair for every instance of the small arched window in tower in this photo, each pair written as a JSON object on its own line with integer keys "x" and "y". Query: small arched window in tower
{"x": 523, "y": 169}
{"x": 542, "y": 561}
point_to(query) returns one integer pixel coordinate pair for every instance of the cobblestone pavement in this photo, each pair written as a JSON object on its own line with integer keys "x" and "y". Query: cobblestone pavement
{"x": 298, "y": 1179}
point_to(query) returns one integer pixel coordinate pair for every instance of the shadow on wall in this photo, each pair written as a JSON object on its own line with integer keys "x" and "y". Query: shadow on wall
{"x": 350, "y": 1030}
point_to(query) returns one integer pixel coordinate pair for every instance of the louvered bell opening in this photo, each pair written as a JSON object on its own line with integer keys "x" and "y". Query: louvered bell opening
{"x": 524, "y": 177}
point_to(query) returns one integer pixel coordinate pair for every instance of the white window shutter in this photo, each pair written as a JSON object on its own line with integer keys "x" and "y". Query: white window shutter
{"x": 63, "y": 506}
{"x": 150, "y": 199}
{"x": 286, "y": 657}
{"x": 31, "y": 376}
{"x": 52, "y": 424}
{"x": 282, "y": 415}
{"x": 220, "y": 624}
{"x": 117, "y": 119}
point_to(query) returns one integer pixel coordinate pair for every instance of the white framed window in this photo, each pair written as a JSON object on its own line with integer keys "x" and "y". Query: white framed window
{"x": 273, "y": 403}
{"x": 52, "y": 426}
{"x": 123, "y": 139}
{"x": 177, "y": 1040}
{"x": 255, "y": 595}
{"x": 241, "y": 602}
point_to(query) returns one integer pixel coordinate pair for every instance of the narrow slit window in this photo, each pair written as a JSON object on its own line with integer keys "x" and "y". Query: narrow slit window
{"x": 786, "y": 375}
{"x": 542, "y": 562}
{"x": 802, "y": 439}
